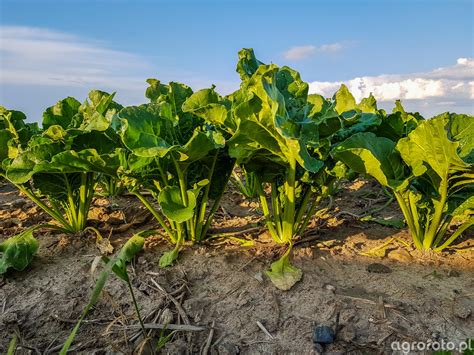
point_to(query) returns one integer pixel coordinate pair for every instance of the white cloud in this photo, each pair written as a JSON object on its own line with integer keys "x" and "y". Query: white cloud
{"x": 331, "y": 48}
{"x": 44, "y": 66}
{"x": 447, "y": 86}
{"x": 299, "y": 52}
{"x": 37, "y": 56}
{"x": 303, "y": 52}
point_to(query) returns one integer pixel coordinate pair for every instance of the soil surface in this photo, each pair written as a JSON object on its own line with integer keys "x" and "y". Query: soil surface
{"x": 361, "y": 278}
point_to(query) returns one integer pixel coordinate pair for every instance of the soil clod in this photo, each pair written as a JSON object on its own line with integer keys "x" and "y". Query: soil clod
{"x": 377, "y": 268}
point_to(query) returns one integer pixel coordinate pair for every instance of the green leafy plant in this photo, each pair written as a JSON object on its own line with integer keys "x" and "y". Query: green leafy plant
{"x": 14, "y": 133}
{"x": 282, "y": 136}
{"x": 179, "y": 158}
{"x": 18, "y": 251}
{"x": 62, "y": 163}
{"x": 246, "y": 183}
{"x": 109, "y": 186}
{"x": 430, "y": 172}
{"x": 398, "y": 124}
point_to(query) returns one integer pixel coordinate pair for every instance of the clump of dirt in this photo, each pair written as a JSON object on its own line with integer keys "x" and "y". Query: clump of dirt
{"x": 219, "y": 296}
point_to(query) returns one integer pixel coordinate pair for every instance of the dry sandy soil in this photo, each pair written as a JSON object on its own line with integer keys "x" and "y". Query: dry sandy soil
{"x": 400, "y": 295}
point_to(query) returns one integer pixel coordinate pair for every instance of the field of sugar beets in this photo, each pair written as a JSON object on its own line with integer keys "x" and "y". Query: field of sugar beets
{"x": 269, "y": 220}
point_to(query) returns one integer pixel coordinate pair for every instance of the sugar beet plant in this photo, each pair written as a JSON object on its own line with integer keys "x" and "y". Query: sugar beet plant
{"x": 58, "y": 167}
{"x": 282, "y": 137}
{"x": 430, "y": 172}
{"x": 179, "y": 158}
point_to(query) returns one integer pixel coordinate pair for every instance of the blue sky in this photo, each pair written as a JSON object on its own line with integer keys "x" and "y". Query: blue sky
{"x": 420, "y": 51}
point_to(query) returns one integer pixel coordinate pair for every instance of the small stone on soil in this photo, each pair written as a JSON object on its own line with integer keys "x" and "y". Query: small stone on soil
{"x": 400, "y": 255}
{"x": 166, "y": 317}
{"x": 378, "y": 268}
{"x": 323, "y": 334}
{"x": 258, "y": 276}
{"x": 330, "y": 288}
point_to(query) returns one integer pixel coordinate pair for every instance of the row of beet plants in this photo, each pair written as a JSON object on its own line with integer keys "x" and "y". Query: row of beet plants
{"x": 181, "y": 148}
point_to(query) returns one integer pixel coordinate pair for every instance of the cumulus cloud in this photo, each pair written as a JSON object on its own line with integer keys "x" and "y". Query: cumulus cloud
{"x": 303, "y": 52}
{"x": 37, "y": 56}
{"x": 447, "y": 86}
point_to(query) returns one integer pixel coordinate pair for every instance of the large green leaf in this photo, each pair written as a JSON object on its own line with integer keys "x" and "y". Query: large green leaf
{"x": 177, "y": 96}
{"x": 174, "y": 207}
{"x": 368, "y": 104}
{"x": 208, "y": 105}
{"x": 97, "y": 113}
{"x": 318, "y": 104}
{"x": 14, "y": 132}
{"x": 62, "y": 113}
{"x": 293, "y": 89}
{"x": 376, "y": 156}
{"x": 392, "y": 127}
{"x": 87, "y": 160}
{"x": 251, "y": 139}
{"x": 282, "y": 274}
{"x": 104, "y": 142}
{"x": 155, "y": 90}
{"x": 200, "y": 145}
{"x": 461, "y": 129}
{"x": 361, "y": 122}
{"x": 48, "y": 158}
{"x": 141, "y": 128}
{"x": 11, "y": 119}
{"x": 247, "y": 64}
{"x": 5, "y": 139}
{"x": 35, "y": 159}
{"x": 428, "y": 146}
{"x": 344, "y": 100}
{"x": 18, "y": 251}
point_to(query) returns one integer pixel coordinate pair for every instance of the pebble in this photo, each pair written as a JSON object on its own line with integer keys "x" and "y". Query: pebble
{"x": 166, "y": 317}
{"x": 258, "y": 276}
{"x": 400, "y": 255}
{"x": 323, "y": 334}
{"x": 378, "y": 268}
{"x": 330, "y": 288}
